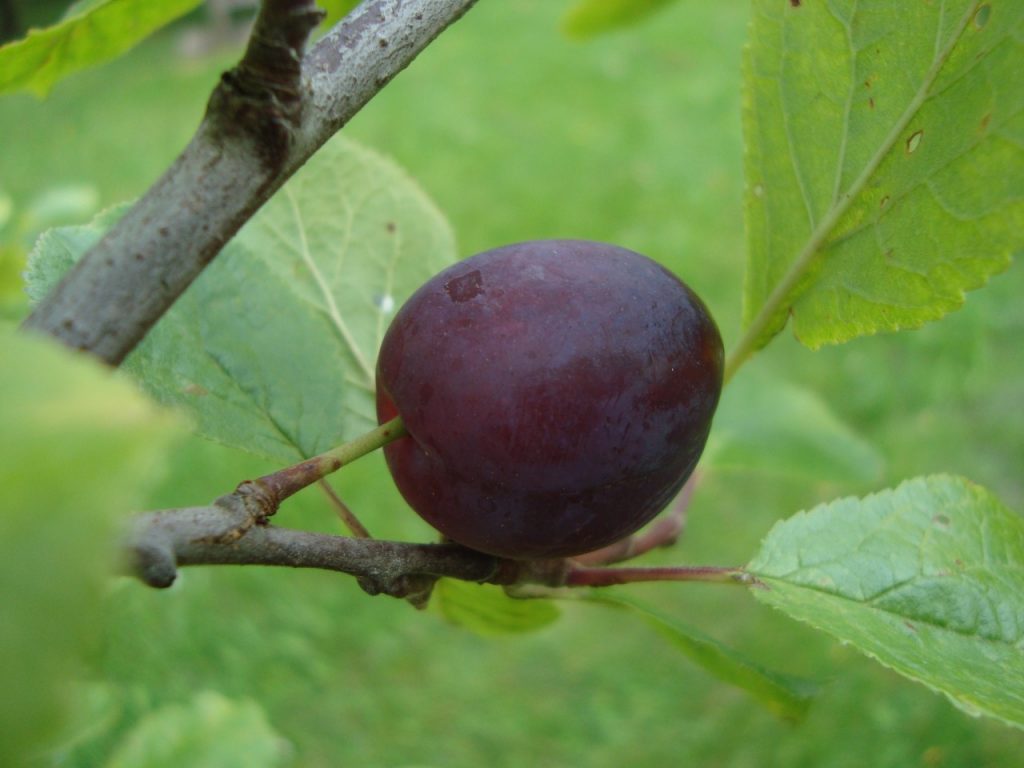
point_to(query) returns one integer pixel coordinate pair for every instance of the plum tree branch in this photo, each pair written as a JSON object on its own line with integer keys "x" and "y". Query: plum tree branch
{"x": 265, "y": 118}
{"x": 234, "y": 531}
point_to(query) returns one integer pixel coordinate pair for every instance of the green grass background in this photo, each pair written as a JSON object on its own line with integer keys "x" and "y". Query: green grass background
{"x": 519, "y": 133}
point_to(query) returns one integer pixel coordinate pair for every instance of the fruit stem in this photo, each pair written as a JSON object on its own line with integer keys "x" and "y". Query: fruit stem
{"x": 290, "y": 480}
{"x": 345, "y": 514}
{"x": 607, "y": 577}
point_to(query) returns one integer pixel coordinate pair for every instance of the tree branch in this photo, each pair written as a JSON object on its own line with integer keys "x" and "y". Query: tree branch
{"x": 234, "y": 531}
{"x": 263, "y": 121}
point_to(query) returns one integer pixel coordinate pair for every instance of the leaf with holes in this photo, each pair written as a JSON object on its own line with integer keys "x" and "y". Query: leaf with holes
{"x": 273, "y": 347}
{"x": 884, "y": 159}
{"x": 927, "y": 578}
{"x": 90, "y": 34}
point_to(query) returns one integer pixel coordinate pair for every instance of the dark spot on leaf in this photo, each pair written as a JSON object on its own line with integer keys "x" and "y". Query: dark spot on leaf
{"x": 982, "y": 15}
{"x": 795, "y": 3}
{"x": 985, "y": 121}
{"x": 382, "y": 43}
{"x": 163, "y": 231}
{"x": 914, "y": 141}
{"x": 910, "y": 626}
{"x": 871, "y": 103}
{"x": 884, "y": 201}
{"x": 139, "y": 257}
{"x": 465, "y": 287}
{"x": 390, "y": 227}
{"x": 941, "y": 520}
{"x": 196, "y": 390}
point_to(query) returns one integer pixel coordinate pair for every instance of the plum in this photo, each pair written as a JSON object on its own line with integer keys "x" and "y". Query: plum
{"x": 557, "y": 394}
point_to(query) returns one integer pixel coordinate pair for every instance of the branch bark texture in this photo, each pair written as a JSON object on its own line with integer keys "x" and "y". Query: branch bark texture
{"x": 234, "y": 531}
{"x": 264, "y": 120}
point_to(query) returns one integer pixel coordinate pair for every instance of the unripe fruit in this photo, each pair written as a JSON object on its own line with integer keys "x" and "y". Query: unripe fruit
{"x": 557, "y": 395}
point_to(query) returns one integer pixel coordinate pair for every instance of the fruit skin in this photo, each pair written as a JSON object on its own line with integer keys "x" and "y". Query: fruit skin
{"x": 557, "y": 395}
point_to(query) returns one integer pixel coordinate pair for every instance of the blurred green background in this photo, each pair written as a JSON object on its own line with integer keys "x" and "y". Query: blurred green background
{"x": 519, "y": 133}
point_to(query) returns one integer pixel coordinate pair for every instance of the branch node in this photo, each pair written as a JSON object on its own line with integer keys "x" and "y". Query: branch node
{"x": 261, "y": 97}
{"x": 413, "y": 587}
{"x": 153, "y": 562}
{"x": 250, "y": 504}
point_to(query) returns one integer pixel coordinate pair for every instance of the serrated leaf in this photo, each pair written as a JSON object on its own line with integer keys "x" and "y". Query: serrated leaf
{"x": 486, "y": 610}
{"x": 593, "y": 17}
{"x": 80, "y": 445}
{"x": 100, "y": 32}
{"x": 58, "y": 249}
{"x": 210, "y": 731}
{"x": 768, "y": 426}
{"x": 927, "y": 578}
{"x": 785, "y": 695}
{"x": 273, "y": 347}
{"x": 884, "y": 161}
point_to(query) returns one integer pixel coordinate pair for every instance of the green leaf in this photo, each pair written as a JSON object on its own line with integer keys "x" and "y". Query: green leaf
{"x": 768, "y": 426}
{"x": 80, "y": 445}
{"x": 592, "y": 17}
{"x": 785, "y": 695}
{"x": 58, "y": 249}
{"x": 884, "y": 160}
{"x": 102, "y": 31}
{"x": 210, "y": 731}
{"x": 273, "y": 347}
{"x": 927, "y": 578}
{"x": 486, "y": 609}
{"x": 336, "y": 11}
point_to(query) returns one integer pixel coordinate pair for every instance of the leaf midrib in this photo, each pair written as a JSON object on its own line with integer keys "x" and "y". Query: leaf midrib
{"x": 819, "y": 236}
{"x": 1002, "y": 643}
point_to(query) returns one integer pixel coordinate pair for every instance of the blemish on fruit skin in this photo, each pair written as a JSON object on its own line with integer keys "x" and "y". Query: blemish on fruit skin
{"x": 914, "y": 141}
{"x": 465, "y": 287}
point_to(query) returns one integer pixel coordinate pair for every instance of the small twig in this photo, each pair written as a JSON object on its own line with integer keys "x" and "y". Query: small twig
{"x": 345, "y": 514}
{"x": 290, "y": 480}
{"x": 225, "y": 534}
{"x": 663, "y": 532}
{"x": 607, "y": 577}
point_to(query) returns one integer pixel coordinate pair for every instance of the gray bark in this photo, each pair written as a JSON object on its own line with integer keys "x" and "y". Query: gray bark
{"x": 265, "y": 119}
